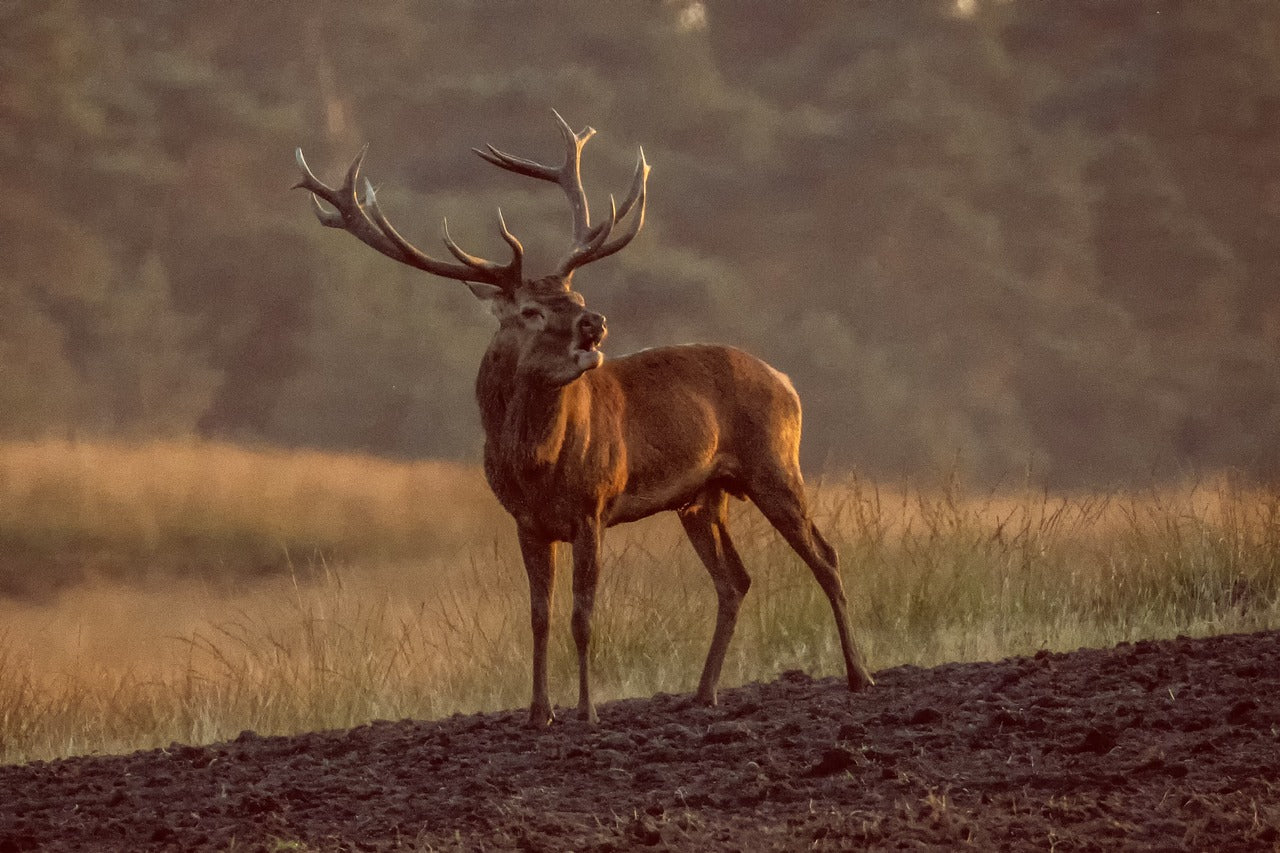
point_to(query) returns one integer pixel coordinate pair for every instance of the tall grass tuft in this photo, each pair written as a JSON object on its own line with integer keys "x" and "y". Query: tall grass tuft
{"x": 402, "y": 592}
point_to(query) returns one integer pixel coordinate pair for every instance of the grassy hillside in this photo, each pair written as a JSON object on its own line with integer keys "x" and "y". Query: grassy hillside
{"x": 397, "y": 590}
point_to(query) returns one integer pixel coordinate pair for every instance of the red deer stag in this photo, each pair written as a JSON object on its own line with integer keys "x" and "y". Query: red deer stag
{"x": 574, "y": 444}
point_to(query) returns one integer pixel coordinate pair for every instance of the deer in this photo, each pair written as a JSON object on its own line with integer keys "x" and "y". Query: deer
{"x": 575, "y": 443}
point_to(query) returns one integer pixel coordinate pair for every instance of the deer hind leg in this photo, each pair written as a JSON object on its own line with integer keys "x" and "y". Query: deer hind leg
{"x": 783, "y": 503}
{"x": 705, "y": 522}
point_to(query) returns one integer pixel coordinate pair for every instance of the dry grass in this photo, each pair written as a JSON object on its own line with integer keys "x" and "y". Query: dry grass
{"x": 397, "y": 590}
{"x": 70, "y": 511}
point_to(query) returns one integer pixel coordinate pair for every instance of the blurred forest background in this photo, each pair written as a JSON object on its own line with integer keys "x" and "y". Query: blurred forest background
{"x": 998, "y": 235}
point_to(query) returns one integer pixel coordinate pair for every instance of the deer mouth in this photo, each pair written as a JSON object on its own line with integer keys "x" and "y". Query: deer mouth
{"x": 586, "y": 350}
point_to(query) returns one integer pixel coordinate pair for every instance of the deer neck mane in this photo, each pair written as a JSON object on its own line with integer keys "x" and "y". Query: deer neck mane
{"x": 526, "y": 425}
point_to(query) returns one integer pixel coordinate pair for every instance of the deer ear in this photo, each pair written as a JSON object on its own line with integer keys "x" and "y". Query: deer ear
{"x": 484, "y": 292}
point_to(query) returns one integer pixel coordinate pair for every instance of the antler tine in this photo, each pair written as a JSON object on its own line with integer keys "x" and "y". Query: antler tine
{"x": 638, "y": 183}
{"x": 511, "y": 270}
{"x": 353, "y": 174}
{"x": 599, "y": 248}
{"x": 348, "y": 213}
{"x": 318, "y": 190}
{"x": 364, "y": 219}
{"x": 309, "y": 180}
{"x": 583, "y": 252}
{"x": 330, "y": 218}
{"x": 568, "y": 176}
{"x": 587, "y": 132}
{"x": 509, "y": 237}
{"x": 519, "y": 165}
{"x": 530, "y": 168}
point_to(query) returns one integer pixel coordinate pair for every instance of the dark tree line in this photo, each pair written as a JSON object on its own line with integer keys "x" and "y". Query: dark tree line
{"x": 998, "y": 234}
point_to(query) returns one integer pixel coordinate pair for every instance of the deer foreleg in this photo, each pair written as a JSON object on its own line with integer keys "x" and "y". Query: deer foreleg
{"x": 540, "y": 564}
{"x": 586, "y": 576}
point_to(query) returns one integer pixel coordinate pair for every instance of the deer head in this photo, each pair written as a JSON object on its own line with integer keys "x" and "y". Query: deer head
{"x": 541, "y": 319}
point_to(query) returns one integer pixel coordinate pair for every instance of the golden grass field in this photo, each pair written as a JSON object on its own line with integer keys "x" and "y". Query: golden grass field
{"x": 162, "y": 592}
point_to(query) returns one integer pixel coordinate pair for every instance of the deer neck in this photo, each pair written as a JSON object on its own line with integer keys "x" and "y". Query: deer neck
{"x": 527, "y": 426}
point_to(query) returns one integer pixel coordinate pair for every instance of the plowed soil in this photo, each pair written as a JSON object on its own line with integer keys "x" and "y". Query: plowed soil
{"x": 1154, "y": 745}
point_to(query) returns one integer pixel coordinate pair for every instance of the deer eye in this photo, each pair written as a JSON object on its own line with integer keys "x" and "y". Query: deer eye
{"x": 531, "y": 313}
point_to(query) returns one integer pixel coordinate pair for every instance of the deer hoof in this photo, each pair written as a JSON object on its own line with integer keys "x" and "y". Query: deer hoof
{"x": 860, "y": 683}
{"x": 540, "y": 718}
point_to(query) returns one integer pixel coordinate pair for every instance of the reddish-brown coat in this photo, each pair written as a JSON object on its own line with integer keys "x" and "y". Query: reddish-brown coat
{"x": 574, "y": 444}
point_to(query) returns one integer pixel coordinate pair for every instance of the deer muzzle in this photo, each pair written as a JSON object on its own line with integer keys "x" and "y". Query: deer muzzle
{"x": 591, "y": 332}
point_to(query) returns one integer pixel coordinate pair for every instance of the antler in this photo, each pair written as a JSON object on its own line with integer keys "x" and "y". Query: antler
{"x": 363, "y": 218}
{"x": 589, "y": 243}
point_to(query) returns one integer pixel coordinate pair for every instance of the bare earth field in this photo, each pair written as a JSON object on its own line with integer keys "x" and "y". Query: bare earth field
{"x": 1168, "y": 745}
